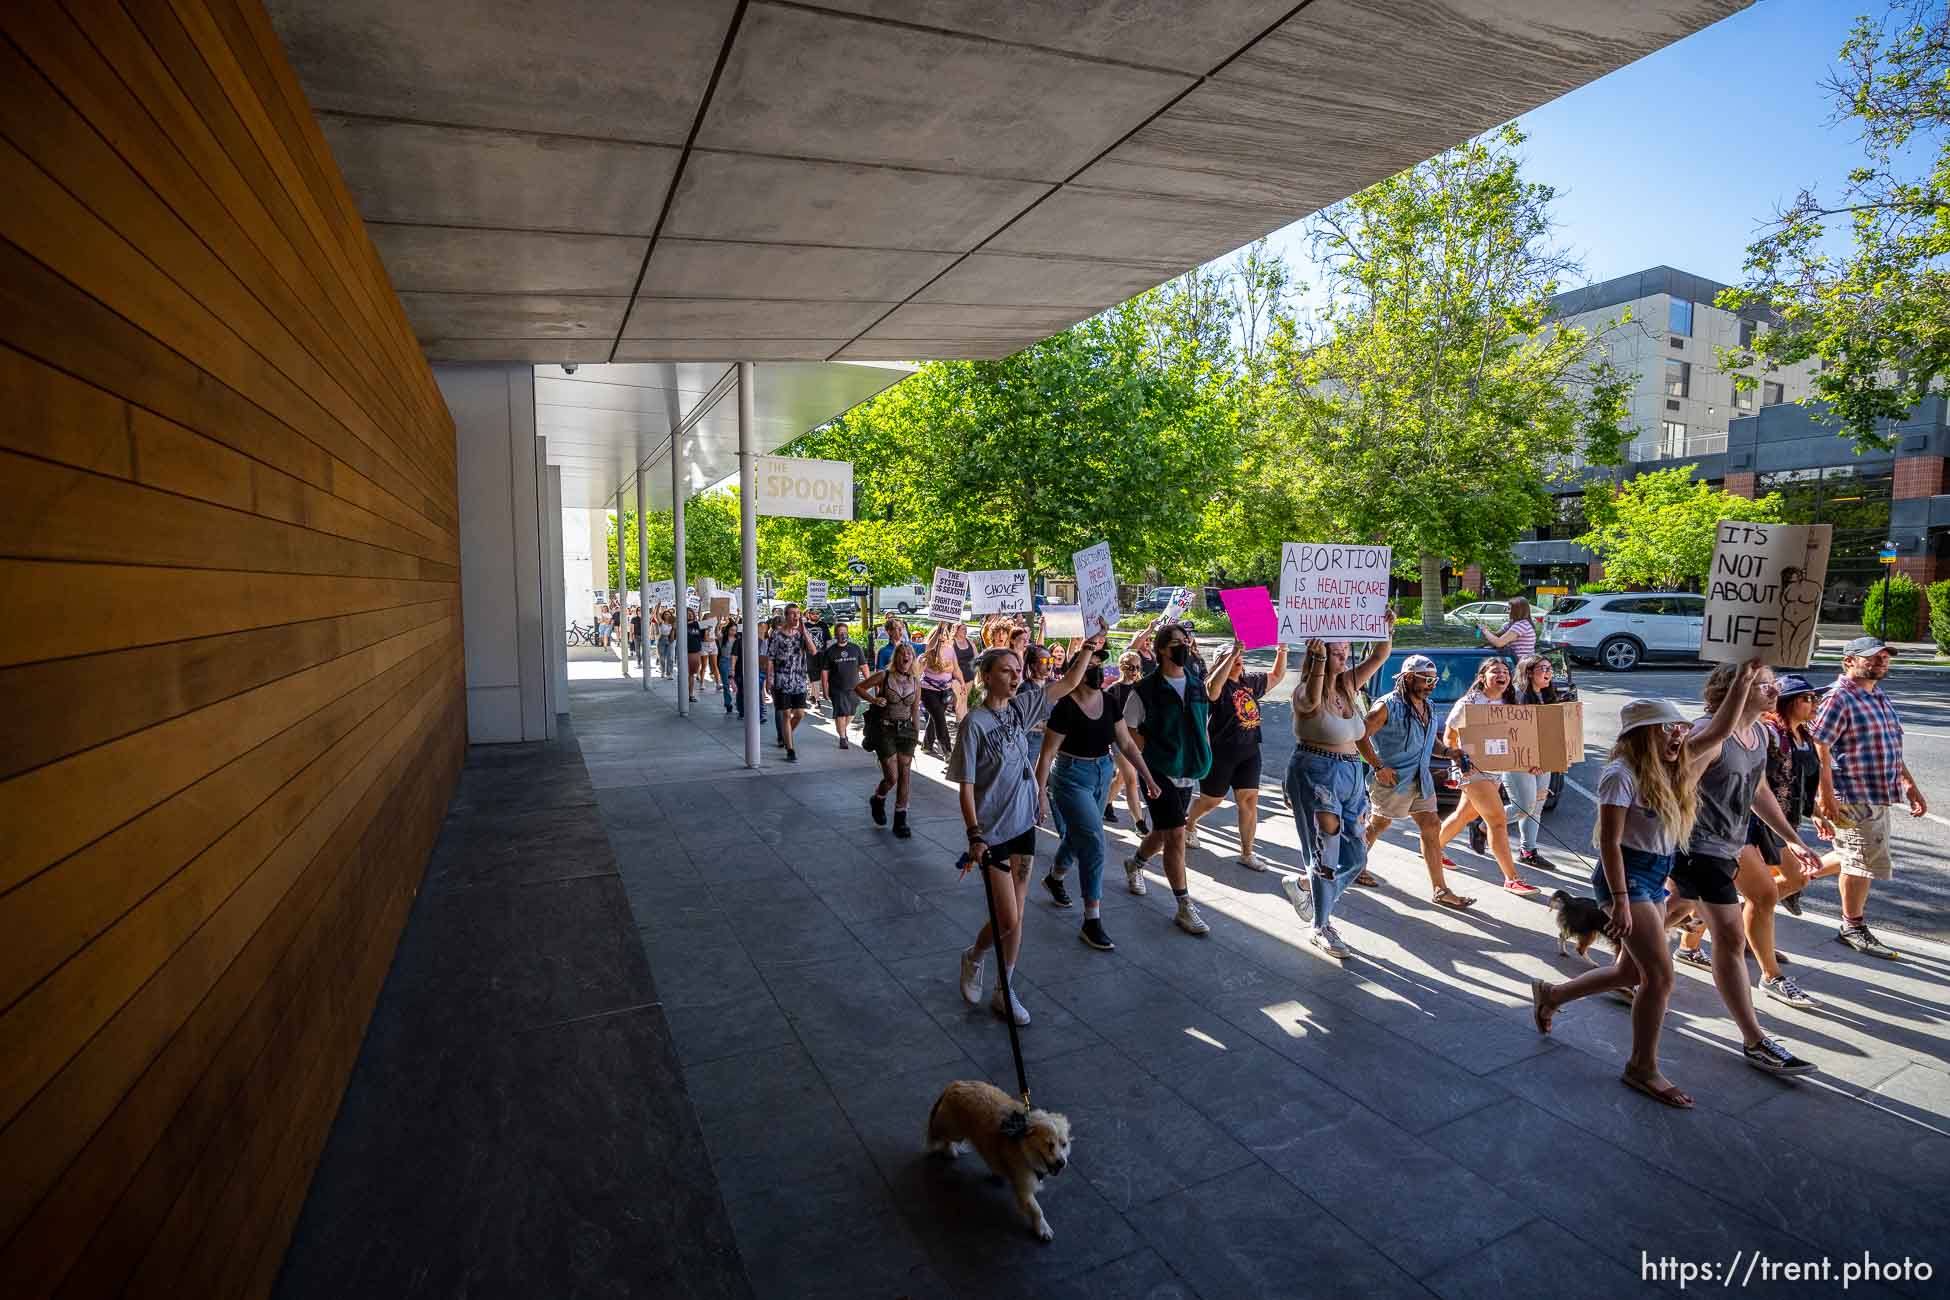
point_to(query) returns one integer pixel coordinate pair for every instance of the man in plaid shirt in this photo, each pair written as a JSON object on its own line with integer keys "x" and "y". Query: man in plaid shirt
{"x": 1860, "y": 742}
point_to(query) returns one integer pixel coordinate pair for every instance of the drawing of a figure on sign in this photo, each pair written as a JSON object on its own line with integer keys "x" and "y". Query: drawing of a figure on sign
{"x": 1800, "y": 608}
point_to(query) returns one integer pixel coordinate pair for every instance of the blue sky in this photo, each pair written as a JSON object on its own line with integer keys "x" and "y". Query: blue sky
{"x": 1676, "y": 159}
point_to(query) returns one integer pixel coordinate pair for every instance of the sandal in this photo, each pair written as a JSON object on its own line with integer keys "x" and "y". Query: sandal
{"x": 1670, "y": 1095}
{"x": 1540, "y": 1015}
{"x": 1368, "y": 878}
{"x": 1446, "y": 897}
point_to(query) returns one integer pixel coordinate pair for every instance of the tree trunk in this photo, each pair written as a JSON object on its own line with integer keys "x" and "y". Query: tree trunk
{"x": 1431, "y": 590}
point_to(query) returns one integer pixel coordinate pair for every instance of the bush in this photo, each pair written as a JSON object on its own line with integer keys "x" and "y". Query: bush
{"x": 1939, "y": 594}
{"x": 1597, "y": 588}
{"x": 1904, "y": 599}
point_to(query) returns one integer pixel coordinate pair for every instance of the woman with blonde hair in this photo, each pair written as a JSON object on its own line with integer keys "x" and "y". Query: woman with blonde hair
{"x": 893, "y": 697}
{"x": 1648, "y": 802}
{"x": 941, "y": 686}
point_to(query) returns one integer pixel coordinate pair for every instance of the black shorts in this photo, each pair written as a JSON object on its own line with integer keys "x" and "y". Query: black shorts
{"x": 1704, "y": 878}
{"x": 789, "y": 699}
{"x": 1769, "y": 844}
{"x": 1171, "y": 808}
{"x": 1233, "y": 769}
{"x": 845, "y": 704}
{"x": 997, "y": 856}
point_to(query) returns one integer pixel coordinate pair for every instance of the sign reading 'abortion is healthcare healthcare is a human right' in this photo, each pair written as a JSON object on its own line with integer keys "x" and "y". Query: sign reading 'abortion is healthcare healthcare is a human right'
{"x": 804, "y": 489}
{"x": 1336, "y": 593}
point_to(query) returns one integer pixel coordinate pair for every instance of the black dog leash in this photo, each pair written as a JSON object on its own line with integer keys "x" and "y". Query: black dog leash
{"x": 1002, "y": 977}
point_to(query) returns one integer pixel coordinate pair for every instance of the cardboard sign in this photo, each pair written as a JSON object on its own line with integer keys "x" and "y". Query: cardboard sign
{"x": 720, "y": 606}
{"x": 1062, "y": 621}
{"x": 804, "y": 489}
{"x": 1763, "y": 593}
{"x": 1336, "y": 593}
{"x": 1096, "y": 588}
{"x": 1518, "y": 737}
{"x": 815, "y": 593}
{"x": 945, "y": 597}
{"x": 999, "y": 591}
{"x": 1251, "y": 612}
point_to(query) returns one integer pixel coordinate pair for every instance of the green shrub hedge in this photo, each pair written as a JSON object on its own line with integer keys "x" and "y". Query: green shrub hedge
{"x": 1905, "y": 599}
{"x": 1939, "y": 594}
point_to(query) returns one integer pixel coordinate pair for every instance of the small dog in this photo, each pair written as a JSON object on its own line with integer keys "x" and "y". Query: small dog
{"x": 1584, "y": 919}
{"x": 1022, "y": 1147}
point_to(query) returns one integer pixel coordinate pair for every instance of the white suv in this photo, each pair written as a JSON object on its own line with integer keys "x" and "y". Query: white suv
{"x": 1622, "y": 629}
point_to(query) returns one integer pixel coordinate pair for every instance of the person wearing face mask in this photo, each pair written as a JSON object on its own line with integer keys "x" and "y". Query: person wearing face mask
{"x": 994, "y": 764}
{"x": 1233, "y": 729}
{"x": 1074, "y": 773}
{"x": 1482, "y": 791}
{"x": 1324, "y": 785}
{"x": 1398, "y": 741}
{"x": 1167, "y": 711}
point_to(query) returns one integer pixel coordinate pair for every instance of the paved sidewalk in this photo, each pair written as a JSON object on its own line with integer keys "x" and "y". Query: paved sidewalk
{"x": 1250, "y": 1119}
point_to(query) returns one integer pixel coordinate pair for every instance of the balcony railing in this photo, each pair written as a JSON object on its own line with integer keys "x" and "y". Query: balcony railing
{"x": 1700, "y": 444}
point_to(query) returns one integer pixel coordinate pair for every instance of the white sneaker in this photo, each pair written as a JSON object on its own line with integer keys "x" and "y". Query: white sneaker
{"x": 1253, "y": 862}
{"x": 1191, "y": 838}
{"x": 971, "y": 978}
{"x": 1189, "y": 920}
{"x": 1134, "y": 875}
{"x": 995, "y": 1005}
{"x": 1302, "y": 900}
{"x": 1328, "y": 942}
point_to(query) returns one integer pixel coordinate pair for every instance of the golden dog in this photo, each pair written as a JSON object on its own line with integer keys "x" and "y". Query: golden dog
{"x": 1021, "y": 1146}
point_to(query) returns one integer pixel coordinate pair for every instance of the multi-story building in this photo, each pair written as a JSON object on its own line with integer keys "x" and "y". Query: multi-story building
{"x": 1687, "y": 412}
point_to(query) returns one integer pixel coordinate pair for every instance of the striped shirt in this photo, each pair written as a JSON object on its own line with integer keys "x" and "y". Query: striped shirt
{"x": 1860, "y": 728}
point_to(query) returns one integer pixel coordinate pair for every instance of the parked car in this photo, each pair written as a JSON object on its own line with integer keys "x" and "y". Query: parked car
{"x": 1623, "y": 629}
{"x": 1455, "y": 669}
{"x": 843, "y": 609}
{"x": 1483, "y": 613}
{"x": 1155, "y": 600}
{"x": 903, "y": 598}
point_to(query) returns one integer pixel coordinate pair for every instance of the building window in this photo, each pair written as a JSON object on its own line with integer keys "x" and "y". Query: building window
{"x": 1771, "y": 393}
{"x": 1672, "y": 438}
{"x": 1748, "y": 329}
{"x": 1679, "y": 378}
{"x": 1743, "y": 398}
{"x": 1676, "y": 341}
{"x": 1679, "y": 316}
{"x": 1855, "y": 501}
{"x": 1671, "y": 405}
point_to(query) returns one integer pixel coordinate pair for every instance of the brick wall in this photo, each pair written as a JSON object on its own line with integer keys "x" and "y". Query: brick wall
{"x": 1918, "y": 476}
{"x": 1472, "y": 579}
{"x": 1740, "y": 483}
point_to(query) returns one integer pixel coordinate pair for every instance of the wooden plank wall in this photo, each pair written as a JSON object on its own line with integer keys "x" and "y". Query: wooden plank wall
{"x": 231, "y": 685}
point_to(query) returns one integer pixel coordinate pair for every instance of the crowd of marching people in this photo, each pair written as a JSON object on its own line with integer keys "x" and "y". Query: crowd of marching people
{"x": 1699, "y": 834}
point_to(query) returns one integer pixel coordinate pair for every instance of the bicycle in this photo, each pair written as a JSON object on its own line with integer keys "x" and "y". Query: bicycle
{"x": 582, "y": 634}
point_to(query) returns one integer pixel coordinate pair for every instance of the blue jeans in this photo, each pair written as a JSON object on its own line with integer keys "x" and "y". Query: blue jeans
{"x": 1526, "y": 794}
{"x": 724, "y": 676}
{"x": 1316, "y": 783}
{"x": 1077, "y": 788}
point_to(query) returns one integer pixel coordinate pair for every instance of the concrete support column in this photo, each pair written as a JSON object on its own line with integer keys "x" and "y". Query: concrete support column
{"x": 623, "y": 586}
{"x": 679, "y": 585}
{"x": 643, "y": 564}
{"x": 555, "y": 601}
{"x": 748, "y": 554}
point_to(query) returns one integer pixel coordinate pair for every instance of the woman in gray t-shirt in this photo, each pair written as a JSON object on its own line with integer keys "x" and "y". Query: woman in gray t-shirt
{"x": 995, "y": 765}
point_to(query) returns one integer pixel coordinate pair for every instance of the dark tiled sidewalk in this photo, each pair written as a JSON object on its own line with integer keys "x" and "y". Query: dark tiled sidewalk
{"x": 1250, "y": 1120}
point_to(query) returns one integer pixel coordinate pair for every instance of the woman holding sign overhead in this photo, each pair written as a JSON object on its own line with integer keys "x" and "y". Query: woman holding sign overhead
{"x": 1482, "y": 792}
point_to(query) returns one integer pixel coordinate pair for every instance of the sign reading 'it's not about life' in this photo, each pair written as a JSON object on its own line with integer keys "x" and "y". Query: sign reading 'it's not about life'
{"x": 803, "y": 489}
{"x": 1336, "y": 593}
{"x": 1763, "y": 593}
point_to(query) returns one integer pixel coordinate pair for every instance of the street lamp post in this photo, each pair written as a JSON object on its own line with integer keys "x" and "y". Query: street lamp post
{"x": 1888, "y": 557}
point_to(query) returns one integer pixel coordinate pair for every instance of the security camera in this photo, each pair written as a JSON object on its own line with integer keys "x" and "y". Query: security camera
{"x": 568, "y": 367}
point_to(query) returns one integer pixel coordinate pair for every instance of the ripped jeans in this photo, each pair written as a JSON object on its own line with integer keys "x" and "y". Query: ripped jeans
{"x": 1322, "y": 783}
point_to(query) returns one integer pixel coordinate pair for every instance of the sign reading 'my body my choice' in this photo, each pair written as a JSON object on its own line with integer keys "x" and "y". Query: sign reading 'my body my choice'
{"x": 999, "y": 591}
{"x": 804, "y": 489}
{"x": 1763, "y": 593}
{"x": 1336, "y": 593}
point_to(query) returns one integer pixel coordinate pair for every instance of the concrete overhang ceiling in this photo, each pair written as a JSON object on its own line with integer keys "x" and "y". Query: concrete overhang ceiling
{"x": 696, "y": 180}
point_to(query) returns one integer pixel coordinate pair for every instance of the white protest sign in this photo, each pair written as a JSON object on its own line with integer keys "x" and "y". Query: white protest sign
{"x": 691, "y": 600}
{"x": 946, "y": 596}
{"x": 1062, "y": 621}
{"x": 815, "y": 593}
{"x": 663, "y": 593}
{"x": 1179, "y": 605}
{"x": 999, "y": 591}
{"x": 1096, "y": 588}
{"x": 1336, "y": 593}
{"x": 1763, "y": 593}
{"x": 804, "y": 489}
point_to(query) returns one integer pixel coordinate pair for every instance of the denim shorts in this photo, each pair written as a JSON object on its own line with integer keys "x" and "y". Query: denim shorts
{"x": 1645, "y": 876}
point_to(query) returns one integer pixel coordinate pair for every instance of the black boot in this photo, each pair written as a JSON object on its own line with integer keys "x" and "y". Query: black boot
{"x": 901, "y": 832}
{"x": 877, "y": 804}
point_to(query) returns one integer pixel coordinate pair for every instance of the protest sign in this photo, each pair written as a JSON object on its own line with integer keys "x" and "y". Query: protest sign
{"x": 1518, "y": 737}
{"x": 1179, "y": 605}
{"x": 1251, "y": 612}
{"x": 999, "y": 591}
{"x": 690, "y": 599}
{"x": 1062, "y": 621}
{"x": 663, "y": 593}
{"x": 815, "y": 593}
{"x": 1336, "y": 593}
{"x": 804, "y": 489}
{"x": 1763, "y": 593}
{"x": 720, "y": 606}
{"x": 946, "y": 596}
{"x": 1096, "y": 588}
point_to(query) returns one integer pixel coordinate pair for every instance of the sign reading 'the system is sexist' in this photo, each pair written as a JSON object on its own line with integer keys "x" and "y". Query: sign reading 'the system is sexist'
{"x": 1763, "y": 593}
{"x": 1337, "y": 593}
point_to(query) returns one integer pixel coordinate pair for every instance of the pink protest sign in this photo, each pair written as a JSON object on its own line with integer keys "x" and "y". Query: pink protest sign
{"x": 1251, "y": 612}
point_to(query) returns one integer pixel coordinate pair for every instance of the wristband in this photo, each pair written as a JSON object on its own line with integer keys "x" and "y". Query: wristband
{"x": 974, "y": 834}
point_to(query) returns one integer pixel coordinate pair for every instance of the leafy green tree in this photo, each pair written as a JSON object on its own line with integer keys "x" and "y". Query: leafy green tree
{"x": 1440, "y": 401}
{"x": 1657, "y": 530}
{"x": 1877, "y": 316}
{"x": 710, "y": 541}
